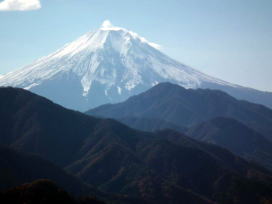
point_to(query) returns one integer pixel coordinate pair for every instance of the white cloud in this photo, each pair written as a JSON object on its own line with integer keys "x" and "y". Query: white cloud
{"x": 20, "y": 5}
{"x": 106, "y": 24}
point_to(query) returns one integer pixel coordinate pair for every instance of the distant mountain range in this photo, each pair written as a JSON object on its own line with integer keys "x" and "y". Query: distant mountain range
{"x": 109, "y": 65}
{"x": 186, "y": 107}
{"x": 183, "y": 109}
{"x": 161, "y": 167}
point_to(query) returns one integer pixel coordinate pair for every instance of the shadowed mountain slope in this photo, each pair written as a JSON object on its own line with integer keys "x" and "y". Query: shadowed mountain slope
{"x": 236, "y": 137}
{"x": 17, "y": 168}
{"x": 42, "y": 191}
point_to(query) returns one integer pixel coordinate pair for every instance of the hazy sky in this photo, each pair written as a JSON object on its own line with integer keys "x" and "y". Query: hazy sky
{"x": 229, "y": 39}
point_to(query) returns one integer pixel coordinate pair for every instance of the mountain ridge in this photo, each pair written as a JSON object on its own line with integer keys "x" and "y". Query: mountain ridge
{"x": 186, "y": 107}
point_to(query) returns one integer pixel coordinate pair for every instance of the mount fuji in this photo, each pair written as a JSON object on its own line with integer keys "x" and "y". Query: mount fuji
{"x": 110, "y": 65}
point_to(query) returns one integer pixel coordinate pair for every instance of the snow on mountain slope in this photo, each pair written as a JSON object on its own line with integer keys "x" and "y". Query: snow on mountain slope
{"x": 108, "y": 65}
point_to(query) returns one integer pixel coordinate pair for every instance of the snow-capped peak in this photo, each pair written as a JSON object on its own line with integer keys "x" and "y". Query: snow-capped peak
{"x": 107, "y": 65}
{"x": 108, "y": 26}
{"x": 91, "y": 42}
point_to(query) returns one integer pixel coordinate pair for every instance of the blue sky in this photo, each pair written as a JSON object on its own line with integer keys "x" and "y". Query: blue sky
{"x": 229, "y": 39}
